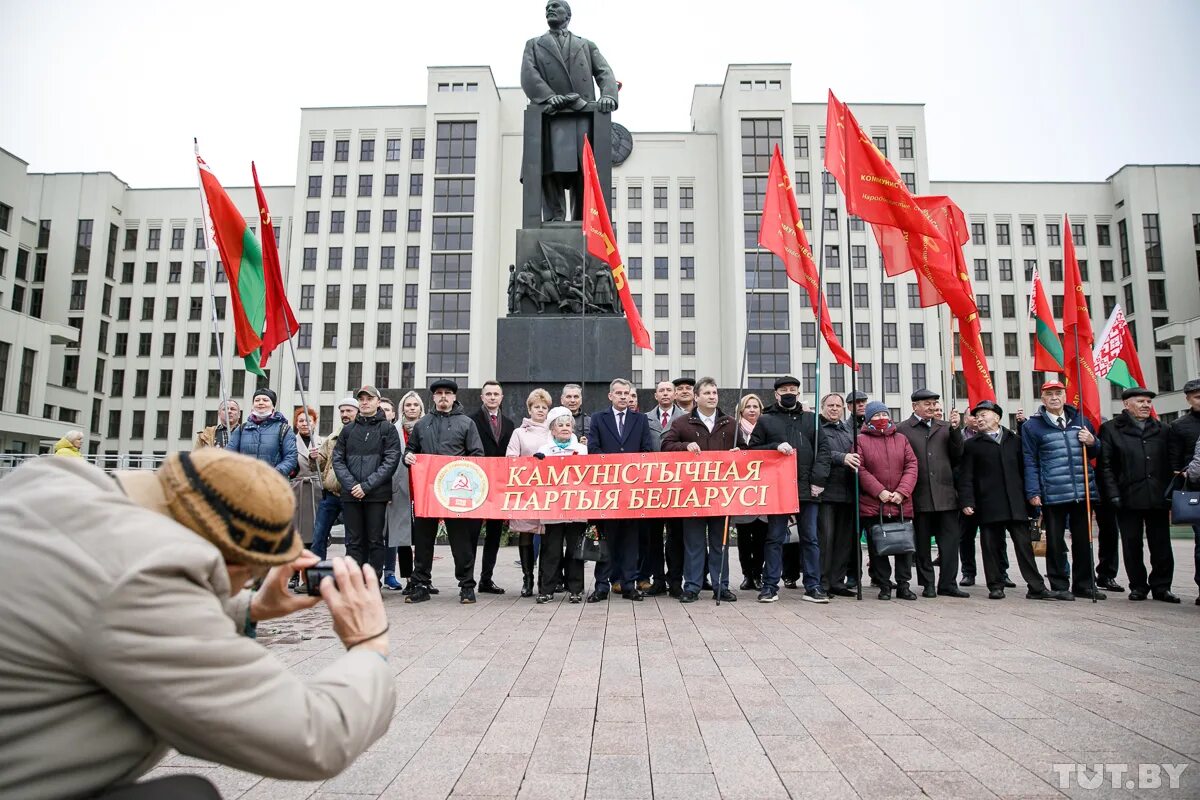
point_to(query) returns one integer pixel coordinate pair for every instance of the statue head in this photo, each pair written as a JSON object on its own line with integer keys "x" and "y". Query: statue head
{"x": 558, "y": 14}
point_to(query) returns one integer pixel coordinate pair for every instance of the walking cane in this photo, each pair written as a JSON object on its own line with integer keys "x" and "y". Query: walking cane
{"x": 724, "y": 560}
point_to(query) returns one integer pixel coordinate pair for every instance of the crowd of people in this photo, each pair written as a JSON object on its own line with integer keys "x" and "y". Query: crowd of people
{"x": 958, "y": 479}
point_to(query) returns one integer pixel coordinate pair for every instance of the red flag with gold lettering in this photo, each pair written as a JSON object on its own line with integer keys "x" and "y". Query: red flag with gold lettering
{"x": 782, "y": 232}
{"x": 874, "y": 190}
{"x": 938, "y": 276}
{"x": 1078, "y": 339}
{"x": 602, "y": 243}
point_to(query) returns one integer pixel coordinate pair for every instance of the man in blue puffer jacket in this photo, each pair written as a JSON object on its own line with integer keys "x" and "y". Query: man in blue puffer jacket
{"x": 266, "y": 435}
{"x": 1052, "y": 441}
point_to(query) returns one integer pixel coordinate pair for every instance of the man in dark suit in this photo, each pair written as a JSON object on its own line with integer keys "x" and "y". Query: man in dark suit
{"x": 495, "y": 430}
{"x": 939, "y": 447}
{"x": 618, "y": 430}
{"x": 559, "y": 71}
{"x": 667, "y": 573}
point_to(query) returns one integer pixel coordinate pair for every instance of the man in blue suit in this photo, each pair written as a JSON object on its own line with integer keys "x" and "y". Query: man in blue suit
{"x": 619, "y": 430}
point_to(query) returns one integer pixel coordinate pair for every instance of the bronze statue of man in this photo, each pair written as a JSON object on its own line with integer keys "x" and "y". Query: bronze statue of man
{"x": 560, "y": 71}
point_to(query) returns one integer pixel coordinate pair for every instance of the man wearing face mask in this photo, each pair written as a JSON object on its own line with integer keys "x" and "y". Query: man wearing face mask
{"x": 939, "y": 448}
{"x": 799, "y": 428}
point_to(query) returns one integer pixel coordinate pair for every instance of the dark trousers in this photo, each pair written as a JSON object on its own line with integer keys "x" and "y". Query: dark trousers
{"x": 968, "y": 531}
{"x": 462, "y": 548}
{"x": 995, "y": 553}
{"x": 365, "y": 530}
{"x": 752, "y": 538}
{"x": 621, "y": 567}
{"x": 697, "y": 532}
{"x": 1157, "y": 525}
{"x": 883, "y": 566}
{"x": 491, "y": 544}
{"x": 327, "y": 514}
{"x": 942, "y": 526}
{"x": 1077, "y": 575}
{"x": 1196, "y": 556}
{"x": 839, "y": 545}
{"x": 174, "y": 787}
{"x": 557, "y": 534}
{"x": 772, "y": 565}
{"x": 651, "y": 563}
{"x": 674, "y": 553}
{"x": 1108, "y": 541}
{"x": 404, "y": 561}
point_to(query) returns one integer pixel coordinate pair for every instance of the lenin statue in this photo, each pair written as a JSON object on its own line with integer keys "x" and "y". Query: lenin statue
{"x": 559, "y": 72}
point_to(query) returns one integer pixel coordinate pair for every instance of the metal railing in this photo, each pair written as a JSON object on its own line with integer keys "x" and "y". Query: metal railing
{"x": 108, "y": 463}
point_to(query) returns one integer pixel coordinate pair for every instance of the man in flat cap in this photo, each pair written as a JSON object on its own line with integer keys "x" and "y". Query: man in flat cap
{"x": 445, "y": 431}
{"x": 991, "y": 491}
{"x": 939, "y": 447}
{"x": 1135, "y": 472}
{"x": 799, "y": 429}
{"x": 1181, "y": 446}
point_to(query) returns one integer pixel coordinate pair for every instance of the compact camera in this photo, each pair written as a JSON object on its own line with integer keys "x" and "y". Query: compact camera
{"x": 313, "y": 576}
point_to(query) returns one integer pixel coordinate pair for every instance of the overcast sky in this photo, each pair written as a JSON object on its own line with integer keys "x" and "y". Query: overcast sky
{"x": 1028, "y": 89}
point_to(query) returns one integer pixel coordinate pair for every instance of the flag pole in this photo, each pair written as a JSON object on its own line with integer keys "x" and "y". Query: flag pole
{"x": 820, "y": 303}
{"x": 1087, "y": 484}
{"x": 942, "y": 347}
{"x": 854, "y": 425}
{"x": 205, "y": 221}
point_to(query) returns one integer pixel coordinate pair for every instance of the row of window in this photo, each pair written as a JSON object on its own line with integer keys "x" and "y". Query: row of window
{"x": 455, "y": 154}
{"x": 449, "y": 194}
{"x": 366, "y": 150}
{"x": 633, "y": 197}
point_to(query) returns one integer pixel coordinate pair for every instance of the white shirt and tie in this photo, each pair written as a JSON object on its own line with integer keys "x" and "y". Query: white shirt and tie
{"x": 620, "y": 417}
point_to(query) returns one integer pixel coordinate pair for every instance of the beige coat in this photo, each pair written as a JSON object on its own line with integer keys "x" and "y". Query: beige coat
{"x": 145, "y": 652}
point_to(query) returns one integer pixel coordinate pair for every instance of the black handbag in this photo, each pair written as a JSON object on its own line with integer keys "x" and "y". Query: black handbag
{"x": 592, "y": 546}
{"x": 893, "y": 538}
{"x": 1185, "y": 505}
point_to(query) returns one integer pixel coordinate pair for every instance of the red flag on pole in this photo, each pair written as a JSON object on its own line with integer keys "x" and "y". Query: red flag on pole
{"x": 1078, "y": 338}
{"x": 874, "y": 190}
{"x": 782, "y": 232}
{"x": 280, "y": 320}
{"x": 602, "y": 243}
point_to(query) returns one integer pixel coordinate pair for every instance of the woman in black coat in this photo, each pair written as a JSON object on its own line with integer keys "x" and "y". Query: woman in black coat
{"x": 991, "y": 481}
{"x": 760, "y": 539}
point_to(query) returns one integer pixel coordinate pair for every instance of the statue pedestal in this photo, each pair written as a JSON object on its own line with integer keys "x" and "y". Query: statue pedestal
{"x": 531, "y": 161}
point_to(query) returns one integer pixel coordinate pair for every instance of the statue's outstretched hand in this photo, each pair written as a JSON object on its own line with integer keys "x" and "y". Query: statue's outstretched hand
{"x": 606, "y": 105}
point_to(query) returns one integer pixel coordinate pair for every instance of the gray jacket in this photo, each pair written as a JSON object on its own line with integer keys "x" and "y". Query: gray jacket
{"x": 147, "y": 652}
{"x": 939, "y": 450}
{"x": 656, "y": 426}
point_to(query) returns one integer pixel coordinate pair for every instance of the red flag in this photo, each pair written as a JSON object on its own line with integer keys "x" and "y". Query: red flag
{"x": 602, "y": 243}
{"x": 874, "y": 190}
{"x": 974, "y": 361}
{"x": 1078, "y": 339}
{"x": 941, "y": 274}
{"x": 280, "y": 321}
{"x": 1047, "y": 347}
{"x": 782, "y": 232}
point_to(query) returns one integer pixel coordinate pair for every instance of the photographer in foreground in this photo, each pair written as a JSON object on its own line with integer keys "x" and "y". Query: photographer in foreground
{"x": 154, "y": 648}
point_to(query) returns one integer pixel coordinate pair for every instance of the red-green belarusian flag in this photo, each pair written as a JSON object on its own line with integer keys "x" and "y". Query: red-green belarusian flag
{"x": 1116, "y": 354}
{"x": 1047, "y": 347}
{"x": 243, "y": 262}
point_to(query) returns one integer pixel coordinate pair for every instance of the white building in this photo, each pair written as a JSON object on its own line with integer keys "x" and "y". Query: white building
{"x": 404, "y": 226}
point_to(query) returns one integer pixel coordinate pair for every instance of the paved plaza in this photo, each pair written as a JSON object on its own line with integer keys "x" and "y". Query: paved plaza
{"x": 935, "y": 698}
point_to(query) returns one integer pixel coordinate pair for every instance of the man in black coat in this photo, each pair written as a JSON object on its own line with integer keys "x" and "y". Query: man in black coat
{"x": 1181, "y": 445}
{"x": 365, "y": 457}
{"x": 991, "y": 490}
{"x": 799, "y": 429}
{"x": 836, "y": 528}
{"x": 444, "y": 431}
{"x": 495, "y": 430}
{"x": 617, "y": 429}
{"x": 1135, "y": 472}
{"x": 939, "y": 447}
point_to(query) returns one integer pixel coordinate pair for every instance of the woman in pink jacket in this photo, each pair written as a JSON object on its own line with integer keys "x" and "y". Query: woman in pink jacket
{"x": 527, "y": 440}
{"x": 888, "y": 475}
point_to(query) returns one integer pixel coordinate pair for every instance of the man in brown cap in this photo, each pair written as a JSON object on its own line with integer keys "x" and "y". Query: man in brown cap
{"x": 154, "y": 649}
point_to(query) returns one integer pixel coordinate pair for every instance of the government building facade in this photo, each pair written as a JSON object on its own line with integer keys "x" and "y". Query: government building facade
{"x": 398, "y": 234}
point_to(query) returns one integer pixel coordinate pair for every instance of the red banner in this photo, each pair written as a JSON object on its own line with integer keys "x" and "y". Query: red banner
{"x": 624, "y": 486}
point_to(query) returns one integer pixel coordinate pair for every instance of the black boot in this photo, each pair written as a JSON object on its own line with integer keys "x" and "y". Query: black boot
{"x": 527, "y": 562}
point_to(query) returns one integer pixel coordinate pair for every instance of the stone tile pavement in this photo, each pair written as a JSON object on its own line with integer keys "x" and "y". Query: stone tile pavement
{"x": 929, "y": 699}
